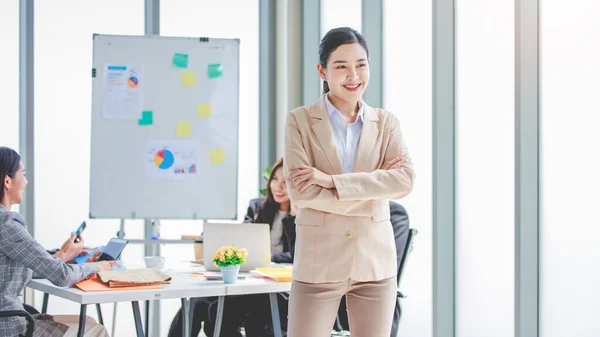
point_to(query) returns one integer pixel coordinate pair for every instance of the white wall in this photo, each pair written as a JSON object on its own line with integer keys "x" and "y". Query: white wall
{"x": 569, "y": 230}
{"x": 485, "y": 168}
{"x": 407, "y": 93}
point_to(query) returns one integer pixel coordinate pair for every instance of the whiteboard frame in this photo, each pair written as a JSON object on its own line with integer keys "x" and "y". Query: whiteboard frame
{"x": 193, "y": 215}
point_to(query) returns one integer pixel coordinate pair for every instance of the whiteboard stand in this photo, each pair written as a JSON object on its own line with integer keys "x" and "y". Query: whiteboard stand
{"x": 171, "y": 100}
{"x": 152, "y": 230}
{"x": 151, "y": 244}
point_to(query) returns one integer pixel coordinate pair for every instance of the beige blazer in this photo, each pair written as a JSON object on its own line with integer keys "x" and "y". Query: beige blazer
{"x": 346, "y": 233}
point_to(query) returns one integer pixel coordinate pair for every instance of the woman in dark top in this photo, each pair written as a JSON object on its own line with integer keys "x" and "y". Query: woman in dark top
{"x": 276, "y": 210}
{"x": 248, "y": 311}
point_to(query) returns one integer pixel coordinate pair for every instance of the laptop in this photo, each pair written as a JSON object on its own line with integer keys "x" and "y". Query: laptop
{"x": 255, "y": 237}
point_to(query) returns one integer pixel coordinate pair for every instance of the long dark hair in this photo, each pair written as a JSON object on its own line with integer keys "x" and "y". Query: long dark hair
{"x": 270, "y": 207}
{"x": 335, "y": 38}
{"x": 9, "y": 165}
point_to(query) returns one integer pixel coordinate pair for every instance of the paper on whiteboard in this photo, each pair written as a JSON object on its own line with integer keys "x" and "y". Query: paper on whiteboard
{"x": 171, "y": 159}
{"x": 123, "y": 91}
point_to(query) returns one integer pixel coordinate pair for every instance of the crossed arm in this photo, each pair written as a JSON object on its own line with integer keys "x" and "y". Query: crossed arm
{"x": 349, "y": 194}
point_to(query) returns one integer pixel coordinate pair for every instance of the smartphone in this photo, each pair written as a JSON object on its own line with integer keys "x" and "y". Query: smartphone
{"x": 79, "y": 231}
{"x": 113, "y": 249}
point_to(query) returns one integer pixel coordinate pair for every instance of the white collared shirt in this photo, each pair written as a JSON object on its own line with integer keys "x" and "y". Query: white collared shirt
{"x": 346, "y": 137}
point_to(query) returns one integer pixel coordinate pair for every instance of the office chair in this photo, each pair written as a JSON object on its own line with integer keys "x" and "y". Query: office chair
{"x": 21, "y": 313}
{"x": 412, "y": 232}
{"x": 407, "y": 250}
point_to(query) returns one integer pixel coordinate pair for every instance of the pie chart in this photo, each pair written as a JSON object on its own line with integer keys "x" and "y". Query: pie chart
{"x": 132, "y": 81}
{"x": 164, "y": 159}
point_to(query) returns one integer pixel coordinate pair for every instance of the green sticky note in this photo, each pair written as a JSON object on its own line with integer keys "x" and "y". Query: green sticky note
{"x": 217, "y": 156}
{"x": 204, "y": 110}
{"x": 180, "y": 60}
{"x": 215, "y": 70}
{"x": 188, "y": 78}
{"x": 146, "y": 118}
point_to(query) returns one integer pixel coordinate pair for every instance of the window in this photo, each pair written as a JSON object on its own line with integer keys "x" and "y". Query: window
{"x": 9, "y": 58}
{"x": 205, "y": 18}
{"x": 569, "y": 181}
{"x": 339, "y": 13}
{"x": 407, "y": 93}
{"x": 63, "y": 57}
{"x": 485, "y": 168}
{"x": 180, "y": 18}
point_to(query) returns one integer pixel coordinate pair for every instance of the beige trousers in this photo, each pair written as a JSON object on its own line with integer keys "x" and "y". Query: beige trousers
{"x": 92, "y": 328}
{"x": 313, "y": 307}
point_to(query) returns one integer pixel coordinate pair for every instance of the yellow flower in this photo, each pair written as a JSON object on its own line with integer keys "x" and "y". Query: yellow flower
{"x": 229, "y": 253}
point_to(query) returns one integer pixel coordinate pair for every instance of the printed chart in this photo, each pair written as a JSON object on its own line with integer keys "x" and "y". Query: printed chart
{"x": 172, "y": 159}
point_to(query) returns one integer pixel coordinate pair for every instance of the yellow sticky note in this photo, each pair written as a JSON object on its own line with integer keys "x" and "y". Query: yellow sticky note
{"x": 217, "y": 156}
{"x": 188, "y": 78}
{"x": 184, "y": 129}
{"x": 204, "y": 110}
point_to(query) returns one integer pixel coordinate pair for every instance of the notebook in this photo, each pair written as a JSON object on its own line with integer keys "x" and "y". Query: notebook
{"x": 275, "y": 274}
{"x": 133, "y": 277}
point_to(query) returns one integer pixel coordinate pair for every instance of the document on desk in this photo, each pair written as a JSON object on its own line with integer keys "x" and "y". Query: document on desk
{"x": 275, "y": 274}
{"x": 94, "y": 284}
{"x": 133, "y": 277}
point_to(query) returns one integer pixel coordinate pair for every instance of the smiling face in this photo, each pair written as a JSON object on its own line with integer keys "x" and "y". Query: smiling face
{"x": 14, "y": 186}
{"x": 278, "y": 187}
{"x": 347, "y": 72}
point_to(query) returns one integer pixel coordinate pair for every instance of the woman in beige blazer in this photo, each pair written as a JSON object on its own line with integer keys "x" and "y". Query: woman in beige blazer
{"x": 343, "y": 162}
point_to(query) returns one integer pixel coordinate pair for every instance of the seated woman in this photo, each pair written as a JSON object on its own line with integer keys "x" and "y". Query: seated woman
{"x": 274, "y": 209}
{"x": 21, "y": 255}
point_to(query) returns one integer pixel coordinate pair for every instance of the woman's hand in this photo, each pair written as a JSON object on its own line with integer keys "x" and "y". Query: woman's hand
{"x": 107, "y": 265}
{"x": 394, "y": 163}
{"x": 293, "y": 210}
{"x": 94, "y": 257}
{"x": 70, "y": 249}
{"x": 302, "y": 177}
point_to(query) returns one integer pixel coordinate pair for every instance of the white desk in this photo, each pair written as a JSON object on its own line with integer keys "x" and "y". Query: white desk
{"x": 182, "y": 286}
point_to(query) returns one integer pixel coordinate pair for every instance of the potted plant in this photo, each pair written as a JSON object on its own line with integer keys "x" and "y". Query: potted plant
{"x": 228, "y": 259}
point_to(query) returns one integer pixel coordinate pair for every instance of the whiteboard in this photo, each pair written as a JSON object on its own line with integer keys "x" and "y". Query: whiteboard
{"x": 164, "y": 127}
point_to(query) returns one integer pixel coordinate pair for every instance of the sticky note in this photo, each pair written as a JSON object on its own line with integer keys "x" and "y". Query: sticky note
{"x": 184, "y": 129}
{"x": 217, "y": 156}
{"x": 204, "y": 110}
{"x": 146, "y": 118}
{"x": 188, "y": 78}
{"x": 215, "y": 70}
{"x": 180, "y": 60}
